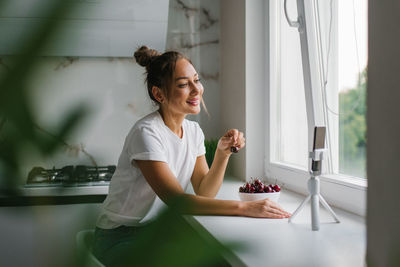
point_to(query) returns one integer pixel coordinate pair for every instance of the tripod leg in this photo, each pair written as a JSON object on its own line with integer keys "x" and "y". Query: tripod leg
{"x": 315, "y": 212}
{"x": 326, "y": 205}
{"x": 299, "y": 208}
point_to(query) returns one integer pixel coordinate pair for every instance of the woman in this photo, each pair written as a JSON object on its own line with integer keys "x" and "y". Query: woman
{"x": 163, "y": 152}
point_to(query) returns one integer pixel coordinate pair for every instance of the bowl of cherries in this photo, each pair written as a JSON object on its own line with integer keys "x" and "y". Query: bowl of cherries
{"x": 257, "y": 190}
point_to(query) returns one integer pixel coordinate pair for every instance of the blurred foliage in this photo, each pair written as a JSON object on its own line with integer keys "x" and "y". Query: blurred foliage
{"x": 181, "y": 246}
{"x": 211, "y": 147}
{"x": 172, "y": 241}
{"x": 352, "y": 128}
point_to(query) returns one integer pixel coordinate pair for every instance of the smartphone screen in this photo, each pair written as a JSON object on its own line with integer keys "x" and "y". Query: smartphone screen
{"x": 319, "y": 142}
{"x": 319, "y": 137}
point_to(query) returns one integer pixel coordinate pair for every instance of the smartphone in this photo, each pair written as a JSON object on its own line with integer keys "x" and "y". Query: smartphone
{"x": 319, "y": 143}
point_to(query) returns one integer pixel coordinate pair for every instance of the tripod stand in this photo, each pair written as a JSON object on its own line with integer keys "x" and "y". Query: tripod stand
{"x": 313, "y": 189}
{"x": 308, "y": 27}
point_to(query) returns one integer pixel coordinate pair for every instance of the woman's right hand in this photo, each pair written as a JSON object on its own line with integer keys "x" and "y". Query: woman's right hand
{"x": 232, "y": 138}
{"x": 264, "y": 209}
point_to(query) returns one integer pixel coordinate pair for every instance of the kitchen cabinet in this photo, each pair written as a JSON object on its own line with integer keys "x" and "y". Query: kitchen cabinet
{"x": 96, "y": 28}
{"x": 43, "y": 235}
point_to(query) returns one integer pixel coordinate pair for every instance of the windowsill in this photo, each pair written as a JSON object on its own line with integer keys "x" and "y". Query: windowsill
{"x": 354, "y": 182}
{"x": 279, "y": 243}
{"x": 345, "y": 192}
{"x": 350, "y": 181}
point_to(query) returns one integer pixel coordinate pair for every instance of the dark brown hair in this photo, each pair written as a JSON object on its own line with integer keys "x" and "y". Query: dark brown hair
{"x": 159, "y": 68}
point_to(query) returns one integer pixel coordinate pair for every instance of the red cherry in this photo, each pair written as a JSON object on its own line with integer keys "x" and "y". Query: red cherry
{"x": 261, "y": 188}
{"x": 234, "y": 149}
{"x": 277, "y": 188}
{"x": 269, "y": 189}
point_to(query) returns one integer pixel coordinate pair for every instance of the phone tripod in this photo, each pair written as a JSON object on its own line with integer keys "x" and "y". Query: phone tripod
{"x": 314, "y": 192}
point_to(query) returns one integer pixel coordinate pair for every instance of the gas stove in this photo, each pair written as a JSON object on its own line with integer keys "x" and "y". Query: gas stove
{"x": 68, "y": 176}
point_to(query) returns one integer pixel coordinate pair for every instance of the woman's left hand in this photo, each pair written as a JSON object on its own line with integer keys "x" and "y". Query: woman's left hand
{"x": 232, "y": 138}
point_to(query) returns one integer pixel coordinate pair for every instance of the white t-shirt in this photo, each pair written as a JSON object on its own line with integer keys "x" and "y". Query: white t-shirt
{"x": 130, "y": 200}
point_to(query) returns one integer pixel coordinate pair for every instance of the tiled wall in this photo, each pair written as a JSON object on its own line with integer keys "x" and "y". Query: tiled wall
{"x": 194, "y": 29}
{"x": 114, "y": 91}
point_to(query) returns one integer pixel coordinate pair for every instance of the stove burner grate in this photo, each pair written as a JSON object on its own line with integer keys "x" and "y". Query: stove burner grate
{"x": 71, "y": 174}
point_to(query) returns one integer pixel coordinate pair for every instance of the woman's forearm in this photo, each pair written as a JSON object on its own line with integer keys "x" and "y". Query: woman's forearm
{"x": 212, "y": 181}
{"x": 194, "y": 204}
{"x": 199, "y": 205}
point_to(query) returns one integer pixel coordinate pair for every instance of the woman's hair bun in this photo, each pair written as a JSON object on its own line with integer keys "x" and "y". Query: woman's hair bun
{"x": 145, "y": 55}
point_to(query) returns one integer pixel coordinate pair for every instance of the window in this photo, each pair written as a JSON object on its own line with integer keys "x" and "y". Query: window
{"x": 338, "y": 61}
{"x": 288, "y": 107}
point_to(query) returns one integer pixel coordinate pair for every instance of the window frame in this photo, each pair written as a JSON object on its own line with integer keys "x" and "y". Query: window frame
{"x": 339, "y": 190}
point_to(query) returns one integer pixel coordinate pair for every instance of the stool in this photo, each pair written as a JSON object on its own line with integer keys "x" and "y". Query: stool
{"x": 84, "y": 241}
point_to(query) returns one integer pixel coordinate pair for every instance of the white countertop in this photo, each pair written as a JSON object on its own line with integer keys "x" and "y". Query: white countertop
{"x": 64, "y": 190}
{"x": 275, "y": 242}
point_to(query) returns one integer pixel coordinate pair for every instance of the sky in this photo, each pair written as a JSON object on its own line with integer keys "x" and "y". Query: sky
{"x": 348, "y": 67}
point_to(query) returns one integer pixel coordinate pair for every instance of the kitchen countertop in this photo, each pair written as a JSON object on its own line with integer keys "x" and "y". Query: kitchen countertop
{"x": 65, "y": 190}
{"x": 55, "y": 195}
{"x": 276, "y": 242}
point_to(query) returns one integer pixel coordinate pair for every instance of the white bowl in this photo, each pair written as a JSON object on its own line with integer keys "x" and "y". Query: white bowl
{"x": 274, "y": 196}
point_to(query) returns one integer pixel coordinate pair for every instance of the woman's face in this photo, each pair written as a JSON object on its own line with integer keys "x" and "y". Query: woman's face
{"x": 187, "y": 91}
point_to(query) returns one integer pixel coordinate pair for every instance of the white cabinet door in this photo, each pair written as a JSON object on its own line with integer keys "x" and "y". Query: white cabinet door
{"x": 94, "y": 28}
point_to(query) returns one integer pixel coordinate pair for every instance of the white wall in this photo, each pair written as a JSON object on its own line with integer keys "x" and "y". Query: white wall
{"x": 243, "y": 81}
{"x": 383, "y": 128}
{"x": 256, "y": 86}
{"x": 233, "y": 76}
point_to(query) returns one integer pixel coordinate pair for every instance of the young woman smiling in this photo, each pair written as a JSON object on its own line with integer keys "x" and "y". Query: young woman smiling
{"x": 163, "y": 152}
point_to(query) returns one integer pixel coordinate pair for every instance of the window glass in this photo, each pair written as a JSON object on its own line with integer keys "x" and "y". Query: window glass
{"x": 352, "y": 83}
{"x": 290, "y": 121}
